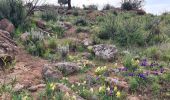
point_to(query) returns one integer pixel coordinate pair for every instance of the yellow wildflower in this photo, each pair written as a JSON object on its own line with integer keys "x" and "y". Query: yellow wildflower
{"x": 74, "y": 97}
{"x": 67, "y": 95}
{"x": 52, "y": 86}
{"x": 25, "y": 98}
{"x": 118, "y": 94}
{"x": 102, "y": 89}
{"x": 137, "y": 61}
{"x": 78, "y": 84}
{"x": 84, "y": 82}
{"x": 72, "y": 85}
{"x": 91, "y": 90}
{"x": 115, "y": 88}
{"x": 108, "y": 89}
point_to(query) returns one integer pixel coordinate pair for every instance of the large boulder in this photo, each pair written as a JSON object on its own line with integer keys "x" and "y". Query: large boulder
{"x": 104, "y": 51}
{"x": 8, "y": 48}
{"x": 51, "y": 73}
{"x": 6, "y": 25}
{"x": 67, "y": 68}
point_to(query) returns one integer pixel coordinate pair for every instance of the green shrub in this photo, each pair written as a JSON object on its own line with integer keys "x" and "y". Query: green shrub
{"x": 108, "y": 29}
{"x": 153, "y": 52}
{"x": 108, "y": 7}
{"x": 131, "y": 4}
{"x": 81, "y": 22}
{"x": 90, "y": 7}
{"x": 49, "y": 14}
{"x": 155, "y": 88}
{"x": 75, "y": 12}
{"x": 124, "y": 29}
{"x": 82, "y": 29}
{"x": 133, "y": 84}
{"x": 13, "y": 10}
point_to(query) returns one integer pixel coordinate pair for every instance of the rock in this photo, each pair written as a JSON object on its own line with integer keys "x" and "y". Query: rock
{"x": 35, "y": 88}
{"x": 6, "y": 25}
{"x": 104, "y": 51}
{"x": 18, "y": 87}
{"x": 25, "y": 36}
{"x": 67, "y": 68}
{"x": 8, "y": 48}
{"x": 49, "y": 72}
{"x": 86, "y": 55}
{"x": 40, "y": 23}
{"x": 132, "y": 98}
{"x": 87, "y": 42}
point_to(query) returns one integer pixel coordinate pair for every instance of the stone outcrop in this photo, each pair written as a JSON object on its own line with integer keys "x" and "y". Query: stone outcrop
{"x": 67, "y": 68}
{"x": 104, "y": 51}
{"x": 8, "y": 48}
{"x": 6, "y": 25}
{"x": 50, "y": 73}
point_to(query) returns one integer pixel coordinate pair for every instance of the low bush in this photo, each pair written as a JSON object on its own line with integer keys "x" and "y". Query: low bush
{"x": 49, "y": 14}
{"x": 81, "y": 22}
{"x": 13, "y": 10}
{"x": 132, "y": 4}
{"x": 108, "y": 7}
{"x": 90, "y": 7}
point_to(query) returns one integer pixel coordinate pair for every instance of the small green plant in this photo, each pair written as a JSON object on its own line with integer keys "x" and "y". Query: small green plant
{"x": 133, "y": 84}
{"x": 49, "y": 14}
{"x": 81, "y": 22}
{"x": 155, "y": 88}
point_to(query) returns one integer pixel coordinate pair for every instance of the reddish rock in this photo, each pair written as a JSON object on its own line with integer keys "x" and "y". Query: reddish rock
{"x": 6, "y": 25}
{"x": 41, "y": 24}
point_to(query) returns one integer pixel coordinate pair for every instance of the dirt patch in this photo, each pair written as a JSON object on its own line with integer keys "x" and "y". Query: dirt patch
{"x": 27, "y": 70}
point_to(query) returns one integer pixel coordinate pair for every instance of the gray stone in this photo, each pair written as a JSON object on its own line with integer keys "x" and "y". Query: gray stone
{"x": 87, "y": 42}
{"x": 18, "y": 87}
{"x": 67, "y": 68}
{"x": 49, "y": 72}
{"x": 104, "y": 51}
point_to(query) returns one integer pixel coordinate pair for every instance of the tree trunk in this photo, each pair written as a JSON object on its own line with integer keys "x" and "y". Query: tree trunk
{"x": 69, "y": 4}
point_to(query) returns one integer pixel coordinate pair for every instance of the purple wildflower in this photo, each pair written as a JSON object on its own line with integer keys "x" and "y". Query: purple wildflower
{"x": 142, "y": 76}
{"x": 161, "y": 70}
{"x": 131, "y": 74}
{"x": 144, "y": 62}
{"x": 156, "y": 73}
{"x": 124, "y": 69}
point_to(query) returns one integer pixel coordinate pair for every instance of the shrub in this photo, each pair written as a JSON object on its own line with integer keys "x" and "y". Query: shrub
{"x": 82, "y": 29}
{"x": 81, "y": 22}
{"x": 108, "y": 7}
{"x": 90, "y": 7}
{"x": 108, "y": 28}
{"x": 131, "y": 4}
{"x": 49, "y": 14}
{"x": 123, "y": 29}
{"x": 155, "y": 88}
{"x": 13, "y": 10}
{"x": 133, "y": 84}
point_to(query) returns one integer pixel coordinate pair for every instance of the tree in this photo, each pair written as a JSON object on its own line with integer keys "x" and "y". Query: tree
{"x": 69, "y": 4}
{"x": 64, "y": 2}
{"x": 132, "y": 4}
